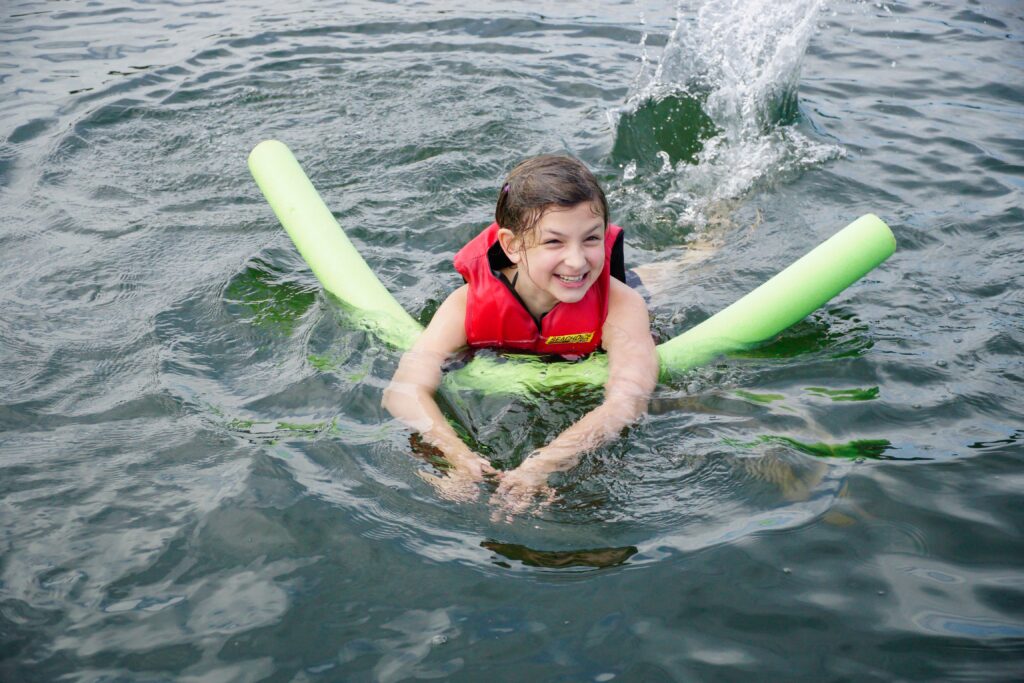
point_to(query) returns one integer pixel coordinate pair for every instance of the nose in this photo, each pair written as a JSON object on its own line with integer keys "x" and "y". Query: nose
{"x": 574, "y": 256}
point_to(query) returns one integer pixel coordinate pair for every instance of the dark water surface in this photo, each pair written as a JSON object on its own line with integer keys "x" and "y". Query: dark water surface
{"x": 197, "y": 482}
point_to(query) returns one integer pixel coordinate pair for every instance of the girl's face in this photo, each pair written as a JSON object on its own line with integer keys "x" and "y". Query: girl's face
{"x": 562, "y": 258}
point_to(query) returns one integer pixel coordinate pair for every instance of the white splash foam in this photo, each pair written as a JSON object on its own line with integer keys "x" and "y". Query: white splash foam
{"x": 743, "y": 59}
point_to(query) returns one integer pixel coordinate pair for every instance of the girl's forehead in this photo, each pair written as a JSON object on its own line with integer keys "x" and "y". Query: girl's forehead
{"x": 585, "y": 215}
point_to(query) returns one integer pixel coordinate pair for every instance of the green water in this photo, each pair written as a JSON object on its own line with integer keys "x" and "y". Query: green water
{"x": 197, "y": 481}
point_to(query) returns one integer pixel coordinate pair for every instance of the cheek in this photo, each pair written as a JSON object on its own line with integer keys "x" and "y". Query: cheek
{"x": 547, "y": 260}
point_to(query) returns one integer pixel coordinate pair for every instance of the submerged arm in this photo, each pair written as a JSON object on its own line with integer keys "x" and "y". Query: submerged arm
{"x": 632, "y": 376}
{"x": 410, "y": 395}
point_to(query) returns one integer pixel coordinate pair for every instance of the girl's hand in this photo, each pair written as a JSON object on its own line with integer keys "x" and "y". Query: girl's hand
{"x": 471, "y": 465}
{"x": 460, "y": 483}
{"x": 520, "y": 487}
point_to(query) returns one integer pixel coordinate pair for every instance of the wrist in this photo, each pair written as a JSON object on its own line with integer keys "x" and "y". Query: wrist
{"x": 462, "y": 455}
{"x": 539, "y": 462}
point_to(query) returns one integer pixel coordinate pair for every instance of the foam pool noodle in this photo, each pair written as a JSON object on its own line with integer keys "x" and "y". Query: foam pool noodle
{"x": 780, "y": 302}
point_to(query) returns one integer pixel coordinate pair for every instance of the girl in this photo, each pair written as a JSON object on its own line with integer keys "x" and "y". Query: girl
{"x": 539, "y": 279}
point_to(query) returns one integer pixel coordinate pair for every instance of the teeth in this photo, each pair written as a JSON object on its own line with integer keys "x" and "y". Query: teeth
{"x": 571, "y": 279}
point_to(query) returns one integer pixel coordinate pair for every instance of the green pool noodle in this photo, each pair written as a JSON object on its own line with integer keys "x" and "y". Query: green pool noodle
{"x": 325, "y": 246}
{"x": 780, "y": 302}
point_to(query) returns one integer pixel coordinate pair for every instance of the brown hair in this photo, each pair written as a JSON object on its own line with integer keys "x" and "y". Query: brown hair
{"x": 543, "y": 182}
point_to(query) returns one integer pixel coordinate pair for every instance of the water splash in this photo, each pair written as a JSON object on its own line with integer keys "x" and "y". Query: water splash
{"x": 712, "y": 118}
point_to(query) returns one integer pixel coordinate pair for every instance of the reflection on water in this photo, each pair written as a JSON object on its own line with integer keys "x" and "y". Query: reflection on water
{"x": 561, "y": 559}
{"x": 265, "y": 299}
{"x": 874, "y": 449}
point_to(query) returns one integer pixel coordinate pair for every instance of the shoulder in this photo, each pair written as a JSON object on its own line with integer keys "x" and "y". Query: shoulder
{"x": 446, "y": 332}
{"x": 458, "y": 297}
{"x": 628, "y": 325}
{"x": 453, "y": 308}
{"x": 622, "y": 296}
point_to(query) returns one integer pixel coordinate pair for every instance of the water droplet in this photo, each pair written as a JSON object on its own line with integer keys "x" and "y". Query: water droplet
{"x": 787, "y": 570}
{"x": 941, "y": 363}
{"x": 439, "y": 639}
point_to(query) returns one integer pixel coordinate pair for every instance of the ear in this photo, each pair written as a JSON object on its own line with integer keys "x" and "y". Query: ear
{"x": 509, "y": 244}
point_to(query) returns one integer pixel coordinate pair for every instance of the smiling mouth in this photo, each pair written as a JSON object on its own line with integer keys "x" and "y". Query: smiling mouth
{"x": 578, "y": 278}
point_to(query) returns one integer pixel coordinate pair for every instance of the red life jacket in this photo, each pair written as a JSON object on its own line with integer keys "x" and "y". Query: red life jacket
{"x": 497, "y": 318}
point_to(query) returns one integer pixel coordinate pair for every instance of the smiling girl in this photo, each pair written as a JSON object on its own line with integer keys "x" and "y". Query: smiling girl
{"x": 546, "y": 277}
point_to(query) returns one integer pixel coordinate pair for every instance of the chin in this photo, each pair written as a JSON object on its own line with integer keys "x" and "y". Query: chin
{"x": 571, "y": 296}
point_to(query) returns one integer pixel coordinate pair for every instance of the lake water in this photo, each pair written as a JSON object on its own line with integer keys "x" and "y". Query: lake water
{"x": 197, "y": 482}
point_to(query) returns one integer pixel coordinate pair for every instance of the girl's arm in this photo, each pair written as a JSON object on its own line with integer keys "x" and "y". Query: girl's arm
{"x": 410, "y": 396}
{"x": 632, "y": 376}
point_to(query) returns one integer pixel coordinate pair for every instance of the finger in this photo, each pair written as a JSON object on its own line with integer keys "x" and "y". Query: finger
{"x": 436, "y": 482}
{"x": 431, "y": 479}
{"x": 549, "y": 495}
{"x": 501, "y": 511}
{"x": 518, "y": 506}
{"x": 517, "y": 501}
{"x": 454, "y": 488}
{"x": 466, "y": 489}
{"x": 487, "y": 472}
{"x": 497, "y": 515}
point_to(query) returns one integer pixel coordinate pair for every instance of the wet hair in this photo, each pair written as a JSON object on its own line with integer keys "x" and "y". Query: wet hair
{"x": 542, "y": 183}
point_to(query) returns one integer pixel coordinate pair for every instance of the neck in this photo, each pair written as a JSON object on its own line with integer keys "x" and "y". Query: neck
{"x": 523, "y": 287}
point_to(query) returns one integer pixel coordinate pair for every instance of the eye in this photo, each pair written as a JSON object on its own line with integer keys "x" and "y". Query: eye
{"x": 594, "y": 238}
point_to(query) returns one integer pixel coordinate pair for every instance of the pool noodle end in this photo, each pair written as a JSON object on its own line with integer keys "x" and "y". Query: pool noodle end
{"x": 326, "y": 248}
